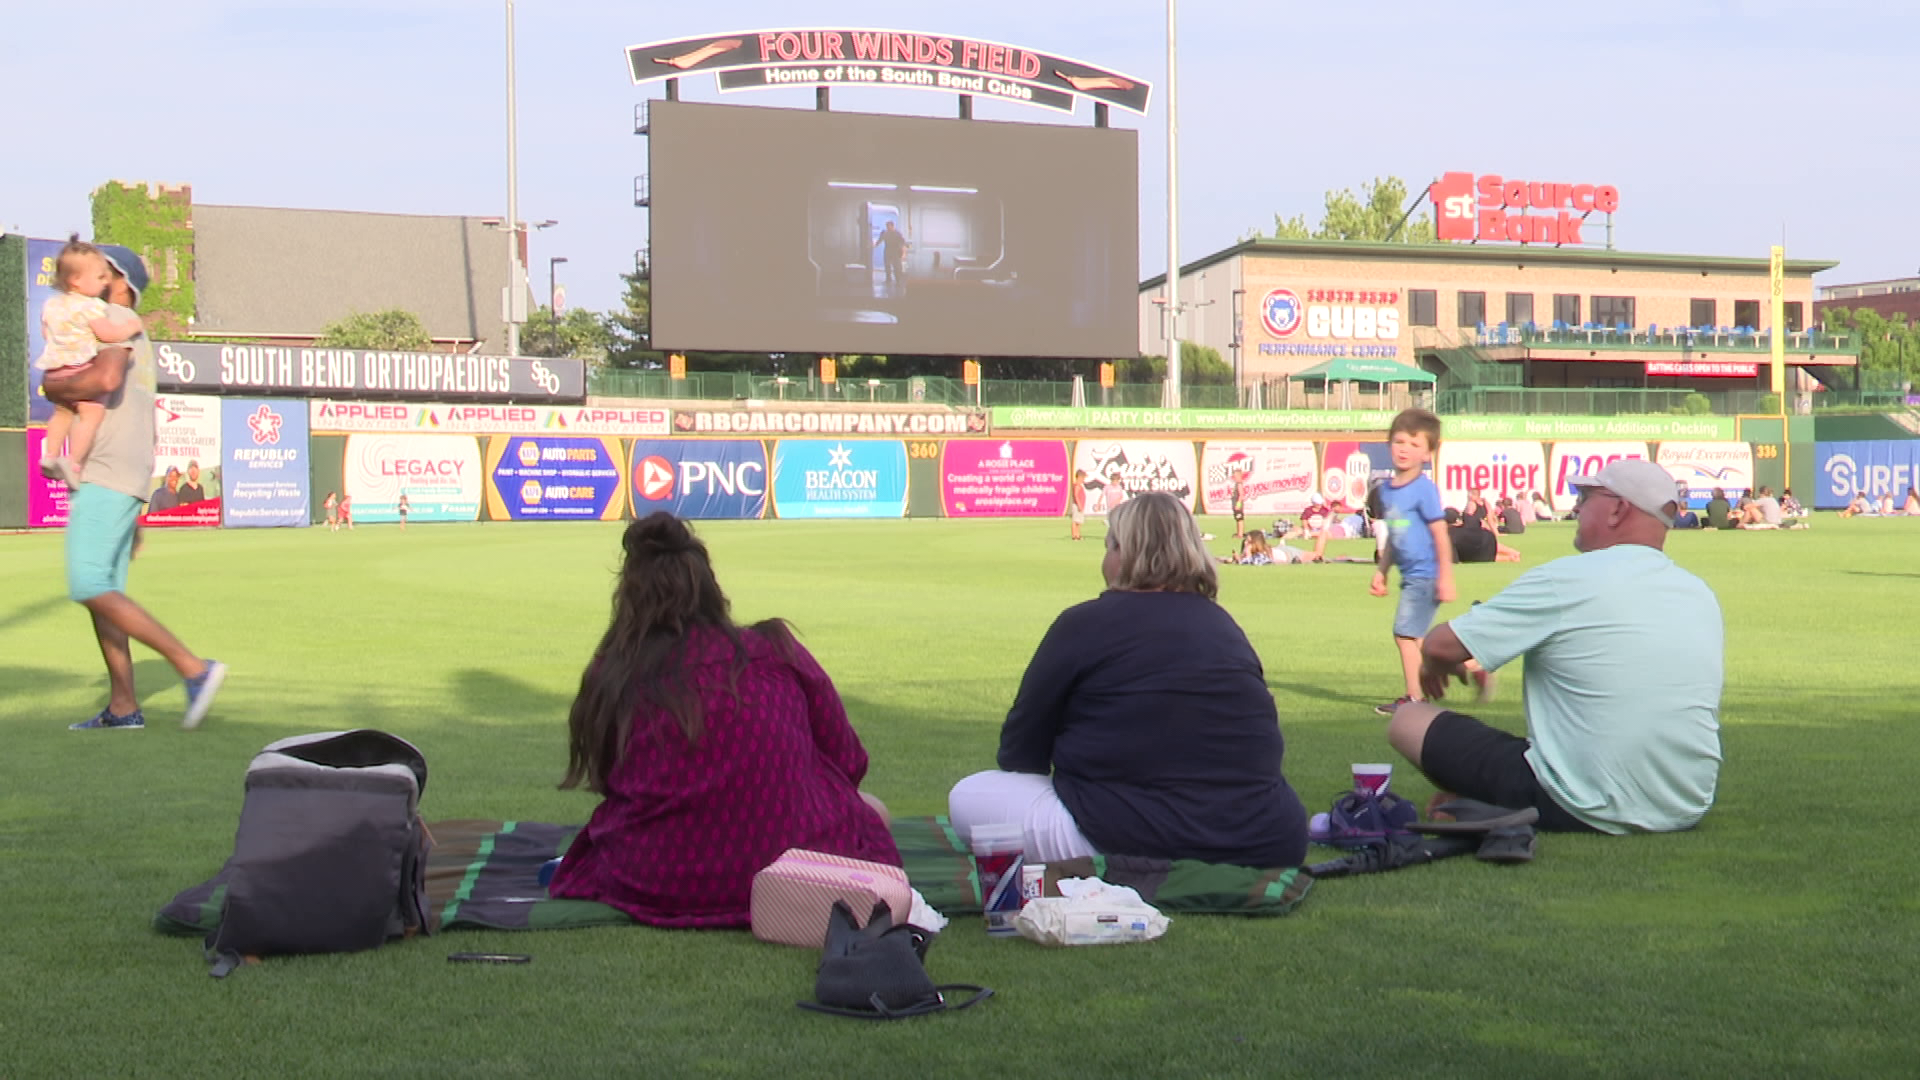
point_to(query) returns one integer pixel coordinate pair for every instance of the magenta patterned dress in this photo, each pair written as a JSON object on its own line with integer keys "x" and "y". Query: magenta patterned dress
{"x": 677, "y": 840}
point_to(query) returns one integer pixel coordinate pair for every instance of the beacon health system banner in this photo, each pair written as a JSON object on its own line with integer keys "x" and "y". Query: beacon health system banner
{"x": 1003, "y": 477}
{"x": 439, "y": 474}
{"x": 1571, "y": 459}
{"x": 1276, "y": 477}
{"x": 445, "y": 419}
{"x": 1873, "y": 468}
{"x": 1496, "y": 470}
{"x": 700, "y": 478}
{"x": 1704, "y": 466}
{"x": 1119, "y": 469}
{"x": 187, "y": 467}
{"x": 265, "y": 470}
{"x": 549, "y": 478}
{"x": 840, "y": 478}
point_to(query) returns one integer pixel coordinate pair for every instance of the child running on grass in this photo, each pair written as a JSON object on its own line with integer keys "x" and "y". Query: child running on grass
{"x": 1417, "y": 541}
{"x": 75, "y": 322}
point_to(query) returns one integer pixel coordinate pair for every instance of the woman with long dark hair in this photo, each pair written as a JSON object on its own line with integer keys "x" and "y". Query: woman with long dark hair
{"x": 714, "y": 748}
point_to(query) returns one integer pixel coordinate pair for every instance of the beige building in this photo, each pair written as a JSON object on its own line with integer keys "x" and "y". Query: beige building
{"x": 1481, "y": 316}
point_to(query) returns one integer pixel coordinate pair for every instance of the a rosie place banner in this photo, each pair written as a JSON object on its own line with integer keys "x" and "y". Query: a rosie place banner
{"x": 1003, "y": 477}
{"x": 1871, "y": 468}
{"x": 439, "y": 474}
{"x": 265, "y": 470}
{"x": 46, "y": 499}
{"x": 1120, "y": 469}
{"x": 840, "y": 478}
{"x": 700, "y": 478}
{"x": 546, "y": 478}
{"x": 1276, "y": 477}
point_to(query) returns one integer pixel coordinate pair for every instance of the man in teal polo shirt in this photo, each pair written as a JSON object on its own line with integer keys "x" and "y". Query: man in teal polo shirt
{"x": 104, "y": 519}
{"x": 1625, "y": 653}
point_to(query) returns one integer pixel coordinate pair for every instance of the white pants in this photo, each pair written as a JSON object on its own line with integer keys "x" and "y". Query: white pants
{"x": 1022, "y": 799}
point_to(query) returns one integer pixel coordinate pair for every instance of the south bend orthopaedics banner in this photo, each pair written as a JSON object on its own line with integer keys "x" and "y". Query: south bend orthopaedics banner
{"x": 265, "y": 467}
{"x": 549, "y": 478}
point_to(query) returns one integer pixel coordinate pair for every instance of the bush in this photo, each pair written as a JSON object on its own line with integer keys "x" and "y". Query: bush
{"x": 1699, "y": 405}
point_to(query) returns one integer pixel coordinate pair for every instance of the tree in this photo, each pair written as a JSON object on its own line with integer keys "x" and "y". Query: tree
{"x": 630, "y": 328}
{"x": 1370, "y": 215}
{"x": 1889, "y": 347}
{"x": 579, "y": 333}
{"x": 390, "y": 329}
{"x": 1200, "y": 365}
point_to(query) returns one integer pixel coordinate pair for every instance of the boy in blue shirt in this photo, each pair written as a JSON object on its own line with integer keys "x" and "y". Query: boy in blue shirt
{"x": 1417, "y": 541}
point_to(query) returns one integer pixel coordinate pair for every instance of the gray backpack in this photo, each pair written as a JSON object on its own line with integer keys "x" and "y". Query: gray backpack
{"x": 330, "y": 855}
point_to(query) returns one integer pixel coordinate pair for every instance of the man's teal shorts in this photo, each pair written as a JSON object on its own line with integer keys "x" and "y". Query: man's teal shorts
{"x": 100, "y": 527}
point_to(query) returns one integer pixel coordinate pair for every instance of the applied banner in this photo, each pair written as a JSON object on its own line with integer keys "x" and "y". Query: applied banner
{"x": 41, "y": 255}
{"x": 838, "y": 478}
{"x": 1513, "y": 470}
{"x": 439, "y": 474}
{"x": 700, "y": 478}
{"x": 186, "y": 462}
{"x": 1703, "y": 466}
{"x": 46, "y": 499}
{"x": 1003, "y": 477}
{"x": 1276, "y": 477}
{"x": 1119, "y": 469}
{"x": 445, "y": 419}
{"x": 1873, "y": 468}
{"x": 265, "y": 470}
{"x": 1571, "y": 459}
{"x": 548, "y": 478}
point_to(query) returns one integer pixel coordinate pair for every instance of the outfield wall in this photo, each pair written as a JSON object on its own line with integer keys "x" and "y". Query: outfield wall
{"x": 271, "y": 462}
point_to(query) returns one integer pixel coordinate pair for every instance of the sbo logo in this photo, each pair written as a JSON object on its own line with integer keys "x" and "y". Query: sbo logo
{"x": 543, "y": 377}
{"x": 175, "y": 365}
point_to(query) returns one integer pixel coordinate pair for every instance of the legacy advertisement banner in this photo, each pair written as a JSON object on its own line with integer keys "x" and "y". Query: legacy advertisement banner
{"x": 1703, "y": 466}
{"x": 442, "y": 418}
{"x": 1003, "y": 478}
{"x": 46, "y": 499}
{"x": 305, "y": 372}
{"x": 543, "y": 478}
{"x": 439, "y": 474}
{"x": 186, "y": 462}
{"x": 40, "y": 269}
{"x": 1873, "y": 468}
{"x": 1276, "y": 477}
{"x": 1119, "y": 469}
{"x": 838, "y": 478}
{"x": 700, "y": 478}
{"x": 1496, "y": 470}
{"x": 266, "y": 471}
{"x": 1571, "y": 459}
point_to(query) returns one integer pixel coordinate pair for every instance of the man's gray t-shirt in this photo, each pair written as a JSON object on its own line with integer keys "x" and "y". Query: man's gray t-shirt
{"x": 122, "y": 455}
{"x": 1769, "y": 508}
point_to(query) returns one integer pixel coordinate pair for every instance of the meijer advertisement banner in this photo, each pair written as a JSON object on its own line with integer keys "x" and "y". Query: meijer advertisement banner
{"x": 700, "y": 478}
{"x": 186, "y": 461}
{"x": 439, "y": 474}
{"x": 1571, "y": 459}
{"x": 1873, "y": 468}
{"x": 1276, "y": 477}
{"x": 1119, "y": 469}
{"x": 265, "y": 469}
{"x": 544, "y": 478}
{"x": 1512, "y": 470}
{"x": 1704, "y": 466}
{"x": 838, "y": 478}
{"x": 1003, "y": 477}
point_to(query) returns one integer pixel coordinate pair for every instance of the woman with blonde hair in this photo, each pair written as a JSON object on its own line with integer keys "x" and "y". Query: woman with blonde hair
{"x": 1143, "y": 724}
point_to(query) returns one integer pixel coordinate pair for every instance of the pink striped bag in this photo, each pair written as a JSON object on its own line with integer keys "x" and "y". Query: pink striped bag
{"x": 793, "y": 897}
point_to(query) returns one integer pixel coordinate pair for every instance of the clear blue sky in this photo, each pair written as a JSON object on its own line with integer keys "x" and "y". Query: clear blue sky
{"x": 1724, "y": 123}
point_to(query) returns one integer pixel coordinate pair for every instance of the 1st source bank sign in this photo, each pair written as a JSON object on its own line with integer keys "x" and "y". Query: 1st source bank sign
{"x": 722, "y": 478}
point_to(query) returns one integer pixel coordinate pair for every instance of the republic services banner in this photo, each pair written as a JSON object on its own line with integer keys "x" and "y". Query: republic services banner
{"x": 840, "y": 478}
{"x": 1277, "y": 477}
{"x": 265, "y": 471}
{"x": 700, "y": 478}
{"x": 548, "y": 478}
{"x": 1873, "y": 468}
{"x": 1571, "y": 459}
{"x": 1119, "y": 469}
{"x": 1512, "y": 470}
{"x": 1704, "y": 466}
{"x": 439, "y": 474}
{"x": 1003, "y": 477}
{"x": 187, "y": 467}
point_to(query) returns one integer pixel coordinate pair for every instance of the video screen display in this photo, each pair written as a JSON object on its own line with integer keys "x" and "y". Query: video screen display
{"x": 787, "y": 230}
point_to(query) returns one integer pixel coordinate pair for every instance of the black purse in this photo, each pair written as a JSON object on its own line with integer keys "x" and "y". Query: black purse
{"x": 880, "y": 972}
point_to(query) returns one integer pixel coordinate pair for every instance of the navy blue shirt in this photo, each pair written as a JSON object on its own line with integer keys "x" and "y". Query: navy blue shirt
{"x": 1153, "y": 714}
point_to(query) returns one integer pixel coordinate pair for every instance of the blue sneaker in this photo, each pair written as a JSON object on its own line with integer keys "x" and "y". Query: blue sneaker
{"x": 106, "y": 721}
{"x": 200, "y": 691}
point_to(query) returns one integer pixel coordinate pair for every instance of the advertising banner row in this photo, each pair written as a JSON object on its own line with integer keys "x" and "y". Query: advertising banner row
{"x": 245, "y": 463}
{"x": 1873, "y": 469}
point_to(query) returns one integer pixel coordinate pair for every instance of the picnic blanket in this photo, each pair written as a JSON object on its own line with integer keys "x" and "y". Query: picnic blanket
{"x": 484, "y": 874}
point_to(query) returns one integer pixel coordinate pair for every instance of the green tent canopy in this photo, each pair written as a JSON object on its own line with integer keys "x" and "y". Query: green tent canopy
{"x": 1344, "y": 369}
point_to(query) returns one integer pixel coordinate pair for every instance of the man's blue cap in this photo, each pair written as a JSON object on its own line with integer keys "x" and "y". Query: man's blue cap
{"x": 129, "y": 265}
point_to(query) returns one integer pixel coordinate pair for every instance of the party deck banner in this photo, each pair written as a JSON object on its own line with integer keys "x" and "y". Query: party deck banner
{"x": 840, "y": 478}
{"x": 543, "y": 478}
{"x": 265, "y": 465}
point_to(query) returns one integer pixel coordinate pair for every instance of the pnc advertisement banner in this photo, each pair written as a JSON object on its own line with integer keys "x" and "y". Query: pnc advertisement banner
{"x": 439, "y": 474}
{"x": 1127, "y": 467}
{"x": 820, "y": 478}
{"x": 46, "y": 499}
{"x": 546, "y": 478}
{"x": 1703, "y": 466}
{"x": 1513, "y": 470}
{"x": 700, "y": 478}
{"x": 264, "y": 470}
{"x": 1872, "y": 468}
{"x": 1003, "y": 477}
{"x": 186, "y": 462}
{"x": 1276, "y": 477}
{"x": 1572, "y": 459}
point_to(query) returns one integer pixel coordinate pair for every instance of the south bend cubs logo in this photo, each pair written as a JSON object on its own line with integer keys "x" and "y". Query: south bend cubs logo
{"x": 1281, "y": 312}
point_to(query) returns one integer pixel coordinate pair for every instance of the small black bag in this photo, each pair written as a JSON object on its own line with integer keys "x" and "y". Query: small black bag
{"x": 879, "y": 973}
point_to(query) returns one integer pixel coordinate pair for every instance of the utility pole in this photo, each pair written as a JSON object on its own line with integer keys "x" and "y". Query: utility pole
{"x": 512, "y": 301}
{"x": 1173, "y": 223}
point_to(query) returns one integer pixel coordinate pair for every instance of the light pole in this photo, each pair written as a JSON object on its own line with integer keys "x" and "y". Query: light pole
{"x": 553, "y": 290}
{"x": 1173, "y": 224}
{"x": 514, "y": 300}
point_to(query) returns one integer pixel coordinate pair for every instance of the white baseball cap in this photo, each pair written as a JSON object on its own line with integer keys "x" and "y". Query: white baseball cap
{"x": 1647, "y": 486}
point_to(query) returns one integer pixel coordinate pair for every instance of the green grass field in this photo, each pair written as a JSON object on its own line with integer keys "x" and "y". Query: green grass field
{"x": 1777, "y": 939}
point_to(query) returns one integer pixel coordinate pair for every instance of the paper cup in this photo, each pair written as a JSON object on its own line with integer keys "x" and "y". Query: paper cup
{"x": 1372, "y": 779}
